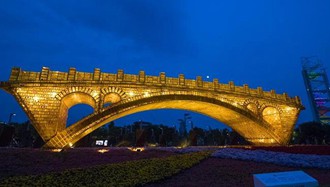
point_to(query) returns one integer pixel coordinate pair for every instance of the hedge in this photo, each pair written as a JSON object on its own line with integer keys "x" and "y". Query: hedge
{"x": 131, "y": 173}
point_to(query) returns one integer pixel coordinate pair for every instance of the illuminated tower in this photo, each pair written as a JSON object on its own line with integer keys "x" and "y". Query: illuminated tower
{"x": 318, "y": 89}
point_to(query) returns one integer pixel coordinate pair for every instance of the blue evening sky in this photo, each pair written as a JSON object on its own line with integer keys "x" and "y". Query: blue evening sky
{"x": 258, "y": 42}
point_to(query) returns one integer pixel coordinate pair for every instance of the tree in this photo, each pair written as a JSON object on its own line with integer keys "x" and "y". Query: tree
{"x": 311, "y": 133}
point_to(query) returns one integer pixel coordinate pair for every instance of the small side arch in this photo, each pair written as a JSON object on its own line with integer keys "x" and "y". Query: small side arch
{"x": 252, "y": 105}
{"x": 272, "y": 115}
{"x": 112, "y": 95}
{"x": 78, "y": 89}
{"x": 116, "y": 90}
{"x": 268, "y": 105}
{"x": 78, "y": 98}
{"x": 70, "y": 100}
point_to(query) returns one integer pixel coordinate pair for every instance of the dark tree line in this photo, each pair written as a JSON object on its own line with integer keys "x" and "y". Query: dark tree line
{"x": 160, "y": 135}
{"x": 20, "y": 135}
{"x": 311, "y": 133}
{"x": 147, "y": 134}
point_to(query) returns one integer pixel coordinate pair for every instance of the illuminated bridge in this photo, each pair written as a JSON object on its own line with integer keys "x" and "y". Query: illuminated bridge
{"x": 261, "y": 117}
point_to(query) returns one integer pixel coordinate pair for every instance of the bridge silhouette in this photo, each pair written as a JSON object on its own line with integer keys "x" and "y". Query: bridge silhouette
{"x": 261, "y": 117}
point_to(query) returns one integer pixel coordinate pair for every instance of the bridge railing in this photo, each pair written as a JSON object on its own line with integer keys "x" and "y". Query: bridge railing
{"x": 173, "y": 81}
{"x": 108, "y": 77}
{"x": 17, "y": 74}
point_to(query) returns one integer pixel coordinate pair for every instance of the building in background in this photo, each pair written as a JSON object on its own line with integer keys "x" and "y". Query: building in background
{"x": 318, "y": 89}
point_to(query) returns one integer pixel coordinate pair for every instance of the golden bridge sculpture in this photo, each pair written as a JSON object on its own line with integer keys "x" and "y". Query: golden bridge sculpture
{"x": 261, "y": 117}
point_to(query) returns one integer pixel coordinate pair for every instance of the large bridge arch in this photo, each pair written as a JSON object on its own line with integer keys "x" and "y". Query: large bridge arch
{"x": 250, "y": 126}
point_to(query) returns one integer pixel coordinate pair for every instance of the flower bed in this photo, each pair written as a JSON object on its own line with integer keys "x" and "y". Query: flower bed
{"x": 210, "y": 172}
{"x": 18, "y": 161}
{"x": 130, "y": 173}
{"x": 182, "y": 150}
{"x": 225, "y": 172}
{"x": 299, "y": 149}
{"x": 287, "y": 159}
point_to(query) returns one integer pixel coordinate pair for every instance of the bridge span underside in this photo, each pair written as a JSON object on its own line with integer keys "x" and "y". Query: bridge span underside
{"x": 252, "y": 128}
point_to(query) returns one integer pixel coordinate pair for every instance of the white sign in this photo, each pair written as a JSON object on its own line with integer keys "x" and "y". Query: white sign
{"x": 284, "y": 179}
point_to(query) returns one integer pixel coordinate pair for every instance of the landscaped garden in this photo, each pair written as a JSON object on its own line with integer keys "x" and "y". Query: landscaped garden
{"x": 192, "y": 166}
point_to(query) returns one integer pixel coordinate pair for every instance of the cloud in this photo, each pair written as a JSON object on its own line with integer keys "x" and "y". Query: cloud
{"x": 157, "y": 25}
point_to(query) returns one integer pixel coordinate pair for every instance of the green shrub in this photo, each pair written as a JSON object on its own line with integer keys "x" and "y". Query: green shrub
{"x": 132, "y": 173}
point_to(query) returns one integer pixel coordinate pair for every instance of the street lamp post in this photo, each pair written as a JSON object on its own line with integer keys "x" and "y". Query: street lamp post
{"x": 10, "y": 117}
{"x": 183, "y": 124}
{"x": 162, "y": 130}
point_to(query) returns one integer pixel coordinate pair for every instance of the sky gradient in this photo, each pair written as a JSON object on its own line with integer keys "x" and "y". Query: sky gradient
{"x": 258, "y": 42}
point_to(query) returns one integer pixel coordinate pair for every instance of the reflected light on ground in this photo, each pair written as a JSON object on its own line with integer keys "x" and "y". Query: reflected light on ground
{"x": 103, "y": 150}
{"x": 136, "y": 149}
{"x": 56, "y": 150}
